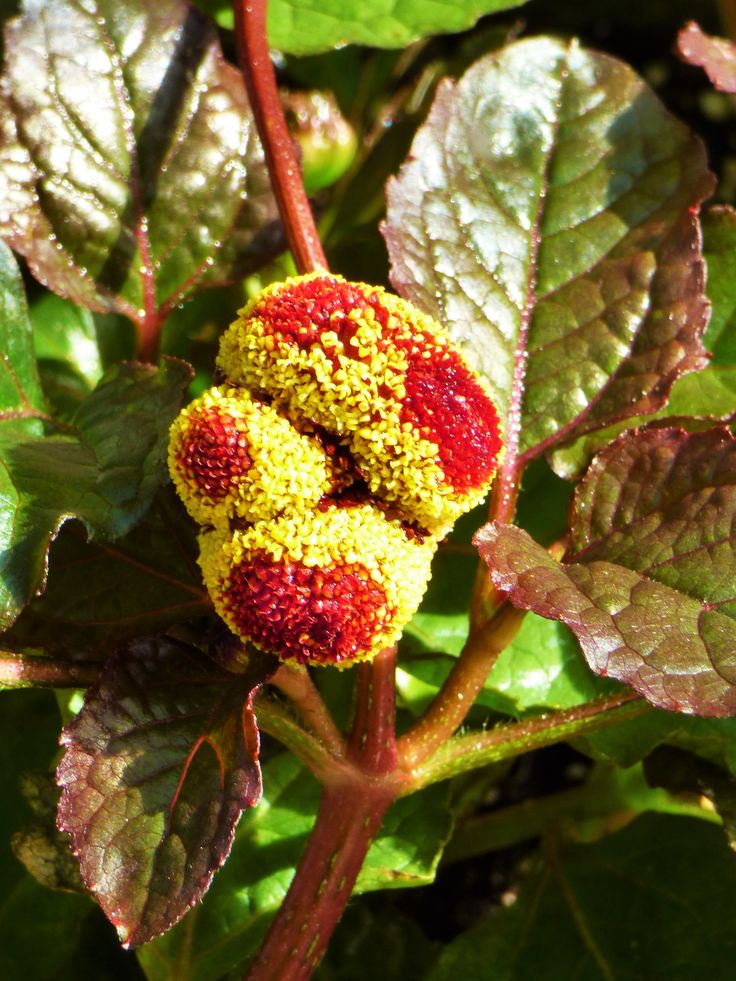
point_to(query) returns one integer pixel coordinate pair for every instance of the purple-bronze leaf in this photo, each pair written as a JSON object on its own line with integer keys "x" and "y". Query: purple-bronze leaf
{"x": 547, "y": 217}
{"x": 649, "y": 582}
{"x": 159, "y": 764}
{"x": 663, "y": 502}
{"x": 716, "y": 55}
{"x": 674, "y": 650}
{"x": 130, "y": 171}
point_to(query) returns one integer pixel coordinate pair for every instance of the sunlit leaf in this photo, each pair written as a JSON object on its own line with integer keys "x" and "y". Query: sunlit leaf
{"x": 650, "y": 582}
{"x": 158, "y": 766}
{"x": 226, "y": 928}
{"x": 21, "y": 399}
{"x": 719, "y": 246}
{"x": 545, "y": 216}
{"x": 304, "y": 27}
{"x": 696, "y": 401}
{"x": 130, "y": 173}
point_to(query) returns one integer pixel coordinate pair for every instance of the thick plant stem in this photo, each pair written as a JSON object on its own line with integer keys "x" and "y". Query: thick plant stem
{"x": 349, "y": 817}
{"x": 286, "y": 180}
{"x": 455, "y": 699}
{"x": 347, "y": 822}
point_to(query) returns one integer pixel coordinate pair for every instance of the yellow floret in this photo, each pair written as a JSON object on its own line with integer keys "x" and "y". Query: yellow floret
{"x": 310, "y": 553}
{"x": 347, "y": 373}
{"x": 233, "y": 456}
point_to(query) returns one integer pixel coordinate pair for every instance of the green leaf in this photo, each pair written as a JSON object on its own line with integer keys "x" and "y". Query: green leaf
{"x": 21, "y": 399}
{"x": 130, "y": 172}
{"x": 545, "y": 216}
{"x": 105, "y": 474}
{"x": 656, "y": 900}
{"x": 99, "y": 594}
{"x": 65, "y": 334}
{"x": 541, "y": 668}
{"x": 303, "y": 27}
{"x": 649, "y": 588}
{"x": 158, "y": 766}
{"x": 226, "y": 928}
{"x": 709, "y": 395}
{"x": 719, "y": 247}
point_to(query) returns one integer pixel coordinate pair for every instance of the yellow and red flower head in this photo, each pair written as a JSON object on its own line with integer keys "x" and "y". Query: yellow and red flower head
{"x": 332, "y": 584}
{"x": 349, "y": 436}
{"x": 381, "y": 377}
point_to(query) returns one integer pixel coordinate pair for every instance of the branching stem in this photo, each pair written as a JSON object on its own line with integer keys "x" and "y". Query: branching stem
{"x": 293, "y": 681}
{"x": 350, "y": 815}
{"x": 461, "y": 687}
{"x": 468, "y": 752}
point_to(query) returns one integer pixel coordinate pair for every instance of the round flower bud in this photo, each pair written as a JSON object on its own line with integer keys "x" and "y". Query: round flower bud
{"x": 329, "y": 585}
{"x": 380, "y": 376}
{"x": 233, "y": 456}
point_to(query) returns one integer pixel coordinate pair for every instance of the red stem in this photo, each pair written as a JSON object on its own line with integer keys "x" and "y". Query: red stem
{"x": 349, "y": 817}
{"x": 286, "y": 180}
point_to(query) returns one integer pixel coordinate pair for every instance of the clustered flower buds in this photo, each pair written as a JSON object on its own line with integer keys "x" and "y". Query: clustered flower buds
{"x": 348, "y": 438}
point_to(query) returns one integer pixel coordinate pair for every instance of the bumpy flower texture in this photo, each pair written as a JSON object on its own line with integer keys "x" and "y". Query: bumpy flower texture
{"x": 349, "y": 436}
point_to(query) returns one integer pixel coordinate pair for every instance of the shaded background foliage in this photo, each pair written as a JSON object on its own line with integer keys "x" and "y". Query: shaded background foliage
{"x": 122, "y": 583}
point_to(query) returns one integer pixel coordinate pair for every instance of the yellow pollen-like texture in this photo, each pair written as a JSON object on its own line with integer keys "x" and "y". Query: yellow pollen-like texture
{"x": 330, "y": 585}
{"x": 349, "y": 435}
{"x": 380, "y": 377}
{"x": 231, "y": 455}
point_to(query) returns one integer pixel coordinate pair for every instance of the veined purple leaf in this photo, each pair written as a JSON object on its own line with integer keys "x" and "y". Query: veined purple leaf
{"x": 716, "y": 55}
{"x": 547, "y": 216}
{"x": 649, "y": 584}
{"x": 130, "y": 171}
{"x": 159, "y": 764}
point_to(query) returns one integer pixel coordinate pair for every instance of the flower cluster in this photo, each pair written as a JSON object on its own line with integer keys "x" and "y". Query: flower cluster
{"x": 348, "y": 438}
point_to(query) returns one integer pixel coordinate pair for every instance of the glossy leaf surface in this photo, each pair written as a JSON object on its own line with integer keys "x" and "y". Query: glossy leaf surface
{"x": 696, "y": 401}
{"x": 304, "y": 27}
{"x": 21, "y": 399}
{"x": 105, "y": 472}
{"x": 130, "y": 173}
{"x": 545, "y": 217}
{"x": 158, "y": 766}
{"x": 719, "y": 245}
{"x": 649, "y": 588}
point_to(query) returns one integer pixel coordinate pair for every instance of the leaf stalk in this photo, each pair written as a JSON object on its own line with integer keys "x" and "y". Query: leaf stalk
{"x": 22, "y": 671}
